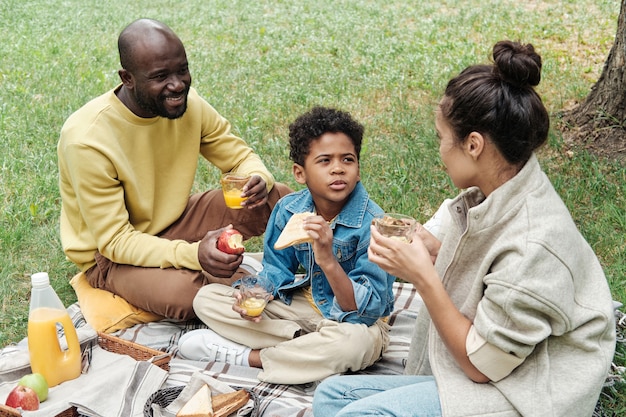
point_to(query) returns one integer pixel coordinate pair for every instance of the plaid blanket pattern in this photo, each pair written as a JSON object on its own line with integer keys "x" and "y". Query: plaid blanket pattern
{"x": 275, "y": 400}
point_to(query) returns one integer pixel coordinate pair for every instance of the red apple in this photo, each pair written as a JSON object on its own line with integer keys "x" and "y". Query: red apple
{"x": 231, "y": 241}
{"x": 38, "y": 383}
{"x": 24, "y": 398}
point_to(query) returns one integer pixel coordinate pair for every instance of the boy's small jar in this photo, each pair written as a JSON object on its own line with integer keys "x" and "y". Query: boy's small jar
{"x": 256, "y": 292}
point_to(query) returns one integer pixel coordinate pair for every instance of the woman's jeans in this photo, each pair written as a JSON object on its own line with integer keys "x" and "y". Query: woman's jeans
{"x": 377, "y": 395}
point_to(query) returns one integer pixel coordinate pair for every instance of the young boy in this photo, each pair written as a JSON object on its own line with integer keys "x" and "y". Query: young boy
{"x": 331, "y": 320}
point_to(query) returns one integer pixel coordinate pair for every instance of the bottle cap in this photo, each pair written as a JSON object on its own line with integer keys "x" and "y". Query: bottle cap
{"x": 40, "y": 279}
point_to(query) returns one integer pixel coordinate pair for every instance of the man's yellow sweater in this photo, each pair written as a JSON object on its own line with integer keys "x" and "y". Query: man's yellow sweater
{"x": 123, "y": 179}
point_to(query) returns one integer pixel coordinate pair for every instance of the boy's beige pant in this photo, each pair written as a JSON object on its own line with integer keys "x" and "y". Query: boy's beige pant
{"x": 323, "y": 348}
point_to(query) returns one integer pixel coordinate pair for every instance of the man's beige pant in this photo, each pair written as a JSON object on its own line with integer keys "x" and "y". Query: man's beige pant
{"x": 322, "y": 347}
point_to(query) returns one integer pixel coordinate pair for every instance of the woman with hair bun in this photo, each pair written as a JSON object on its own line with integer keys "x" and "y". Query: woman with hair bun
{"x": 517, "y": 317}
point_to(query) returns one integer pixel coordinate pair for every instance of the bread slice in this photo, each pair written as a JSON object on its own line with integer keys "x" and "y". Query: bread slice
{"x": 199, "y": 405}
{"x": 226, "y": 404}
{"x": 293, "y": 233}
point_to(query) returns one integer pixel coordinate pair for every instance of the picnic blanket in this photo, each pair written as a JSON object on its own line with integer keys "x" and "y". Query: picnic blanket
{"x": 273, "y": 400}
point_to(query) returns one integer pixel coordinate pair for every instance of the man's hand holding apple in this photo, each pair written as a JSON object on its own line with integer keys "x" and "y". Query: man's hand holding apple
{"x": 214, "y": 261}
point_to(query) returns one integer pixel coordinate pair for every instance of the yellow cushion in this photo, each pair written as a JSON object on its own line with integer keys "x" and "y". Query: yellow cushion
{"x": 105, "y": 311}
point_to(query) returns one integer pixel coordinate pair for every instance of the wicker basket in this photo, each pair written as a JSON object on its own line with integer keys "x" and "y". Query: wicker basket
{"x": 134, "y": 350}
{"x": 163, "y": 398}
{"x": 166, "y": 396}
{"x": 115, "y": 345}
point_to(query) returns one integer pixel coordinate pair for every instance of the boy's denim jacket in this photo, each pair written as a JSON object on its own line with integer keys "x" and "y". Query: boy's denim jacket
{"x": 351, "y": 235}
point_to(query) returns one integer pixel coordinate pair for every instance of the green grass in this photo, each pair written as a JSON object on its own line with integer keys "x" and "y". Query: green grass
{"x": 263, "y": 63}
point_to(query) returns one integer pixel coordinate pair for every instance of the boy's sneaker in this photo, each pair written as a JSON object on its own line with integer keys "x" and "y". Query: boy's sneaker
{"x": 207, "y": 346}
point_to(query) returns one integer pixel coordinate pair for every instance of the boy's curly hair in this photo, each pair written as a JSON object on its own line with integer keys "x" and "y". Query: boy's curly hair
{"x": 317, "y": 121}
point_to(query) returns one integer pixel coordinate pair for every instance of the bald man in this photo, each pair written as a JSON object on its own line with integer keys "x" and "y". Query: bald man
{"x": 127, "y": 163}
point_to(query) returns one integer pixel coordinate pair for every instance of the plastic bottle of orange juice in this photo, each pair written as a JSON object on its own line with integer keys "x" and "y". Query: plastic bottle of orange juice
{"x": 48, "y": 320}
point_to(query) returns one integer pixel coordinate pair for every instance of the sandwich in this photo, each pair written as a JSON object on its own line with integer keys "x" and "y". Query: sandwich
{"x": 293, "y": 233}
{"x": 199, "y": 405}
{"x": 226, "y": 404}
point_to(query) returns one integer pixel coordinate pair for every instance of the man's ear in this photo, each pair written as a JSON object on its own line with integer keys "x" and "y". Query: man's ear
{"x": 475, "y": 144}
{"x": 299, "y": 174}
{"x": 126, "y": 77}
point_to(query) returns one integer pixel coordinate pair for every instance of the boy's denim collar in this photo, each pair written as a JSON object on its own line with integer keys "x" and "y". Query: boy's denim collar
{"x": 351, "y": 215}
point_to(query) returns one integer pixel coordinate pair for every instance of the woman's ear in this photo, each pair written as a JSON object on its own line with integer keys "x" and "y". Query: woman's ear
{"x": 475, "y": 144}
{"x": 299, "y": 174}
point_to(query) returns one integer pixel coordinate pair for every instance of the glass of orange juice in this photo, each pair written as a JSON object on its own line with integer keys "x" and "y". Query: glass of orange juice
{"x": 232, "y": 186}
{"x": 394, "y": 225}
{"x": 255, "y": 292}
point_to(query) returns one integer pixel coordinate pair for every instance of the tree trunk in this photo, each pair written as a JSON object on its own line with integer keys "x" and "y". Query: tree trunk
{"x": 599, "y": 122}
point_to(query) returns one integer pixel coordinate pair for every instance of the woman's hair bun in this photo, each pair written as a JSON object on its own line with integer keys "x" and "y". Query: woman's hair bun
{"x": 517, "y": 64}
